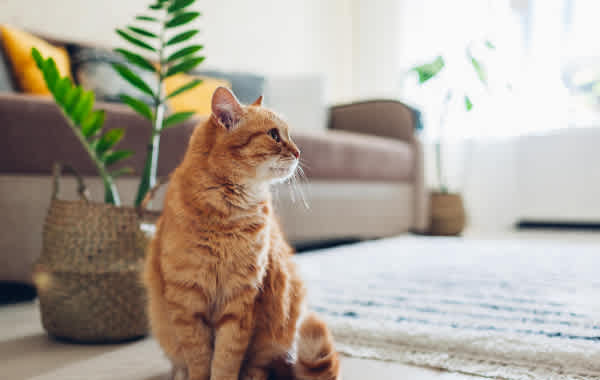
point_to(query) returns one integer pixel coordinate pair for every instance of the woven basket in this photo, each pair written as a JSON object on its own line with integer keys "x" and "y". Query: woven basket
{"x": 88, "y": 275}
{"x": 447, "y": 214}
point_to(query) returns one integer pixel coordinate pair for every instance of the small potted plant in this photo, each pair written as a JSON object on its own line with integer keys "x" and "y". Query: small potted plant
{"x": 87, "y": 276}
{"x": 447, "y": 208}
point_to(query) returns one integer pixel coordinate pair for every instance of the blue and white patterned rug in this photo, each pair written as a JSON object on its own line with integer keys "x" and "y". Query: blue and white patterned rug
{"x": 503, "y": 309}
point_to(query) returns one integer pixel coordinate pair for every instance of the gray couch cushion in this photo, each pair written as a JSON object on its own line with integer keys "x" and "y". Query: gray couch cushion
{"x": 247, "y": 87}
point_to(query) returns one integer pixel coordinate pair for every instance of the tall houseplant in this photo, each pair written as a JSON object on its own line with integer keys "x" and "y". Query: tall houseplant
{"x": 170, "y": 58}
{"x": 87, "y": 276}
{"x": 77, "y": 105}
{"x": 435, "y": 68}
{"x": 447, "y": 209}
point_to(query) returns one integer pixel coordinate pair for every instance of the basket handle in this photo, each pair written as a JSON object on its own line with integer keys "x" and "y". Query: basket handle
{"x": 150, "y": 194}
{"x": 56, "y": 174}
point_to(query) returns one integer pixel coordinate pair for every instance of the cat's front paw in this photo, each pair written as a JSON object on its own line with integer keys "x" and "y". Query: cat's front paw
{"x": 179, "y": 373}
{"x": 254, "y": 374}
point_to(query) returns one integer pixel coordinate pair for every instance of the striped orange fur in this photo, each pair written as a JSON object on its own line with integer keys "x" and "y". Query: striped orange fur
{"x": 225, "y": 300}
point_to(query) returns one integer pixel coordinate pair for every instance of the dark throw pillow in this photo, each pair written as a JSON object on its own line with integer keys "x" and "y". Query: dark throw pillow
{"x": 92, "y": 69}
{"x": 6, "y": 82}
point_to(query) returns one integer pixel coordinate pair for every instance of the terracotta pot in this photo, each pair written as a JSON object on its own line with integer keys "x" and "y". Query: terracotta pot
{"x": 447, "y": 214}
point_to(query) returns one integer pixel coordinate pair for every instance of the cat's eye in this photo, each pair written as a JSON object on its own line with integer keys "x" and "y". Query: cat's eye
{"x": 274, "y": 133}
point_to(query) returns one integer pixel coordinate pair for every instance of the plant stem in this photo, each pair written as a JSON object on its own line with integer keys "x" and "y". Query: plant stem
{"x": 438, "y": 145}
{"x": 111, "y": 195}
{"x": 438, "y": 161}
{"x": 148, "y": 180}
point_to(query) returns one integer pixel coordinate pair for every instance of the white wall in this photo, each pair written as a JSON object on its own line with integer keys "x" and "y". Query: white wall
{"x": 376, "y": 42}
{"x": 280, "y": 37}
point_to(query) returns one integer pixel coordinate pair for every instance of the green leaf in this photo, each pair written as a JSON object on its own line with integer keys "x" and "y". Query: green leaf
{"x": 468, "y": 103}
{"x": 133, "y": 78}
{"x": 83, "y": 107}
{"x": 138, "y": 106}
{"x": 185, "y": 87}
{"x": 176, "y": 118}
{"x": 121, "y": 171}
{"x": 429, "y": 70}
{"x": 142, "y": 32}
{"x": 490, "y": 45}
{"x": 137, "y": 60}
{"x": 47, "y": 67}
{"x": 61, "y": 88}
{"x": 37, "y": 57}
{"x": 184, "y": 66}
{"x": 146, "y": 18}
{"x": 72, "y": 99}
{"x": 480, "y": 70}
{"x": 51, "y": 74}
{"x": 181, "y": 19}
{"x": 181, "y": 37}
{"x": 184, "y": 52}
{"x": 112, "y": 157}
{"x": 92, "y": 123}
{"x": 179, "y": 4}
{"x": 134, "y": 40}
{"x": 109, "y": 139}
{"x": 156, "y": 6}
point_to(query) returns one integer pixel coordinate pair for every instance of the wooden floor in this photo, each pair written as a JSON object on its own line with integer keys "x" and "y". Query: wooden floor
{"x": 25, "y": 350}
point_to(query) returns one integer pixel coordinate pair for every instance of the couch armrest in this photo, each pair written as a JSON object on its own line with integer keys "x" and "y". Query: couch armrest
{"x": 385, "y": 118}
{"x": 35, "y": 134}
{"x": 392, "y": 119}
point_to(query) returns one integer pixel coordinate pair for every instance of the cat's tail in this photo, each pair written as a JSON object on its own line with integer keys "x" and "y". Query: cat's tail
{"x": 317, "y": 358}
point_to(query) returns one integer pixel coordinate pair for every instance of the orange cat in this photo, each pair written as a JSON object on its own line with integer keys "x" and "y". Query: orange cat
{"x": 225, "y": 301}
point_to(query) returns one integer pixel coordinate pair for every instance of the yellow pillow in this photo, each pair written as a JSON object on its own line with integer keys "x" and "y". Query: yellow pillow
{"x": 17, "y": 45}
{"x": 198, "y": 98}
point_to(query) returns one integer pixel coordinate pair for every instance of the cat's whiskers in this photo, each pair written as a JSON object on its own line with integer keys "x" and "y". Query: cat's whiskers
{"x": 302, "y": 162}
{"x": 296, "y": 181}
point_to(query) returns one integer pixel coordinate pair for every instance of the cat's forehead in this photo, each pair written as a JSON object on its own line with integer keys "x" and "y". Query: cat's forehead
{"x": 267, "y": 117}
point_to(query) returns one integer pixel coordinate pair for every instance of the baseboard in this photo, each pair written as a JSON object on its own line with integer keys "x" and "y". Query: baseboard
{"x": 528, "y": 224}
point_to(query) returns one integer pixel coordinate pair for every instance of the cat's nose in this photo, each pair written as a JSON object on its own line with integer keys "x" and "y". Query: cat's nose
{"x": 295, "y": 152}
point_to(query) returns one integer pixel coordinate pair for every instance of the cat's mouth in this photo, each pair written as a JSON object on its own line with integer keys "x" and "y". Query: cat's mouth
{"x": 284, "y": 171}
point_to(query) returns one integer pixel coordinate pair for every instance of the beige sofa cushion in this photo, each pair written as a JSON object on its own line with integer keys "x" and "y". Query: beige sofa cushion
{"x": 36, "y": 135}
{"x": 340, "y": 155}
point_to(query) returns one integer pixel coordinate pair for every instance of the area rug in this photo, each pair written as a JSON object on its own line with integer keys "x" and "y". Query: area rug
{"x": 500, "y": 309}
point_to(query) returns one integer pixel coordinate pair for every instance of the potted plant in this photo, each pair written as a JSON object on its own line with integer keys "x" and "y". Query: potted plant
{"x": 87, "y": 276}
{"x": 447, "y": 208}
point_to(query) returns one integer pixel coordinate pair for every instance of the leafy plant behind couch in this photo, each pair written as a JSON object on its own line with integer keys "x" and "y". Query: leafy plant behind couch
{"x": 171, "y": 58}
{"x": 77, "y": 105}
{"x": 432, "y": 70}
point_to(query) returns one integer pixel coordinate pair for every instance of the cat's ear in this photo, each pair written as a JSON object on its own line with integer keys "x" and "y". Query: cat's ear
{"x": 258, "y": 101}
{"x": 226, "y": 108}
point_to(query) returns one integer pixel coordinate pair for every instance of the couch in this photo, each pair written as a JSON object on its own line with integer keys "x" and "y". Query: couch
{"x": 365, "y": 173}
